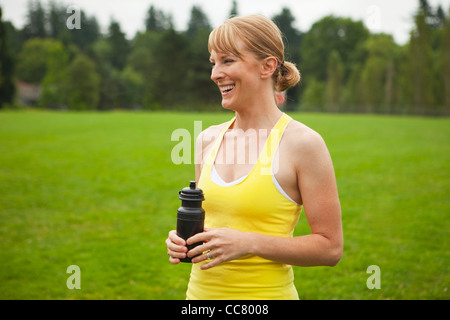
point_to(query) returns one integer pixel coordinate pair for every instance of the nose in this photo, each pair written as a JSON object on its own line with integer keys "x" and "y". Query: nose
{"x": 216, "y": 73}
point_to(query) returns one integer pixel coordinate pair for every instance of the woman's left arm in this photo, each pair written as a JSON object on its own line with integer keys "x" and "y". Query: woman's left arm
{"x": 317, "y": 183}
{"x": 323, "y": 247}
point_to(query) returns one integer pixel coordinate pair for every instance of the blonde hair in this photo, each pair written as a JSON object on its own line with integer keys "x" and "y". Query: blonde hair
{"x": 263, "y": 38}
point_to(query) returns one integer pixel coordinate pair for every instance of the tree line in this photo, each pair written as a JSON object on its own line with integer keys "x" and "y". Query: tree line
{"x": 345, "y": 67}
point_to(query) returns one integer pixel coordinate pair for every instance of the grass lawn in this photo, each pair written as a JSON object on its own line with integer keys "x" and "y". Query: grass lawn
{"x": 99, "y": 190}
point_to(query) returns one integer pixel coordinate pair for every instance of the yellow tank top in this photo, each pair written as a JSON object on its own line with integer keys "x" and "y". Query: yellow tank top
{"x": 253, "y": 205}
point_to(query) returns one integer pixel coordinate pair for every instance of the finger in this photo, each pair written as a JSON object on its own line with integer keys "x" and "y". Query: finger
{"x": 175, "y": 243}
{"x": 174, "y": 260}
{"x": 206, "y": 230}
{"x": 175, "y": 252}
{"x": 199, "y": 237}
{"x": 208, "y": 255}
{"x": 214, "y": 262}
{"x": 175, "y": 238}
{"x": 198, "y": 250}
{"x": 200, "y": 258}
{"x": 175, "y": 248}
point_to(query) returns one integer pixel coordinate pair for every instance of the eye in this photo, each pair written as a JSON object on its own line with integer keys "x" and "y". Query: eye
{"x": 212, "y": 63}
{"x": 229, "y": 60}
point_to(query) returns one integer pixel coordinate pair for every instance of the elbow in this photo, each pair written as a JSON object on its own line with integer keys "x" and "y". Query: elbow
{"x": 334, "y": 255}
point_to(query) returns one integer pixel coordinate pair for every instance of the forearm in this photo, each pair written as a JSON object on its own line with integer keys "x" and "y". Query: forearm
{"x": 310, "y": 250}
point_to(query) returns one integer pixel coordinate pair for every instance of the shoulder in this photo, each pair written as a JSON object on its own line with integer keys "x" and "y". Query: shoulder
{"x": 209, "y": 135}
{"x": 304, "y": 146}
{"x": 205, "y": 140}
{"x": 300, "y": 137}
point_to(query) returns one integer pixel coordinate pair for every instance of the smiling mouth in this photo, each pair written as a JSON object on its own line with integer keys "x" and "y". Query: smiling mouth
{"x": 226, "y": 89}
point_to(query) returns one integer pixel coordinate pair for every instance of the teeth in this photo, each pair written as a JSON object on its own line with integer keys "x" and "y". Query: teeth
{"x": 226, "y": 88}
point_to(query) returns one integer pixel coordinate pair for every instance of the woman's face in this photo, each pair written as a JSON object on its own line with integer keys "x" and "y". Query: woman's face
{"x": 238, "y": 78}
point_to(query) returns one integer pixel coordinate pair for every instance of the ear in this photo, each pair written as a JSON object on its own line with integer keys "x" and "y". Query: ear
{"x": 268, "y": 67}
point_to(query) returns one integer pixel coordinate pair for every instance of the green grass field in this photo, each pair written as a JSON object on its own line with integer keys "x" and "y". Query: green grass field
{"x": 99, "y": 190}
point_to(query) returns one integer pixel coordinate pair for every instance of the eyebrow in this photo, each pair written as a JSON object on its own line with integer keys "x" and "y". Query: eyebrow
{"x": 223, "y": 55}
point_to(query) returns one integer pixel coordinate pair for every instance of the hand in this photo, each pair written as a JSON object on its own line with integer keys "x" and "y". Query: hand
{"x": 176, "y": 247}
{"x": 223, "y": 245}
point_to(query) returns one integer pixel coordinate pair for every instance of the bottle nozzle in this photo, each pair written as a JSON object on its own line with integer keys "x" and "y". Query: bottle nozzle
{"x": 191, "y": 193}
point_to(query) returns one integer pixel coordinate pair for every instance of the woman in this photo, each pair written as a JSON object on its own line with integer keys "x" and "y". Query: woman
{"x": 256, "y": 172}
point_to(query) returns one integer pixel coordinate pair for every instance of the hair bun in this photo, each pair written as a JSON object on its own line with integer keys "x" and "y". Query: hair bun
{"x": 288, "y": 76}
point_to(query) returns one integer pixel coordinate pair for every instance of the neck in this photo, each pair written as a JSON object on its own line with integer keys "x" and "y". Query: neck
{"x": 257, "y": 116}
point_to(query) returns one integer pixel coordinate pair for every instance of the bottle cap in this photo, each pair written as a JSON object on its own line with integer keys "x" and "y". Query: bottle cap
{"x": 191, "y": 193}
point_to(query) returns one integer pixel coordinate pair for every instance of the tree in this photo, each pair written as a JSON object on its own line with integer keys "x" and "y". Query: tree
{"x": 86, "y": 36}
{"x": 133, "y": 88}
{"x": 7, "y": 87}
{"x": 199, "y": 87}
{"x": 84, "y": 83}
{"x": 32, "y": 60}
{"x": 292, "y": 39}
{"x": 14, "y": 38}
{"x": 378, "y": 72}
{"x": 170, "y": 71}
{"x": 234, "y": 9}
{"x": 197, "y": 22}
{"x": 434, "y": 19}
{"x": 120, "y": 47}
{"x": 425, "y": 7}
{"x": 100, "y": 51}
{"x": 142, "y": 60}
{"x": 157, "y": 20}
{"x": 198, "y": 79}
{"x": 335, "y": 76}
{"x": 54, "y": 83}
{"x": 52, "y": 23}
{"x": 440, "y": 17}
{"x": 446, "y": 62}
{"x": 35, "y": 21}
{"x": 403, "y": 81}
{"x": 332, "y": 33}
{"x": 351, "y": 96}
{"x": 314, "y": 97}
{"x": 421, "y": 53}
{"x": 56, "y": 18}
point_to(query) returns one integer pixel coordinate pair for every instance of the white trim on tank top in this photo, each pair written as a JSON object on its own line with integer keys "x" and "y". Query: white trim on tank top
{"x": 217, "y": 179}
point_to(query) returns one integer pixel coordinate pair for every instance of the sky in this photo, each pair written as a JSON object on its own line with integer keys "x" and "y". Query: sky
{"x": 390, "y": 16}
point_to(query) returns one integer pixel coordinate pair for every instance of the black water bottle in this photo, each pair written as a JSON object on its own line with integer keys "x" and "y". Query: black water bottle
{"x": 190, "y": 216}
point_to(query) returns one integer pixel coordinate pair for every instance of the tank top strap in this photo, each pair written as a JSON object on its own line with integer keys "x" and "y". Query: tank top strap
{"x": 212, "y": 155}
{"x": 266, "y": 156}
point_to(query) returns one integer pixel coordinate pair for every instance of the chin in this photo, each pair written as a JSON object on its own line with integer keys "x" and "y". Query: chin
{"x": 229, "y": 105}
